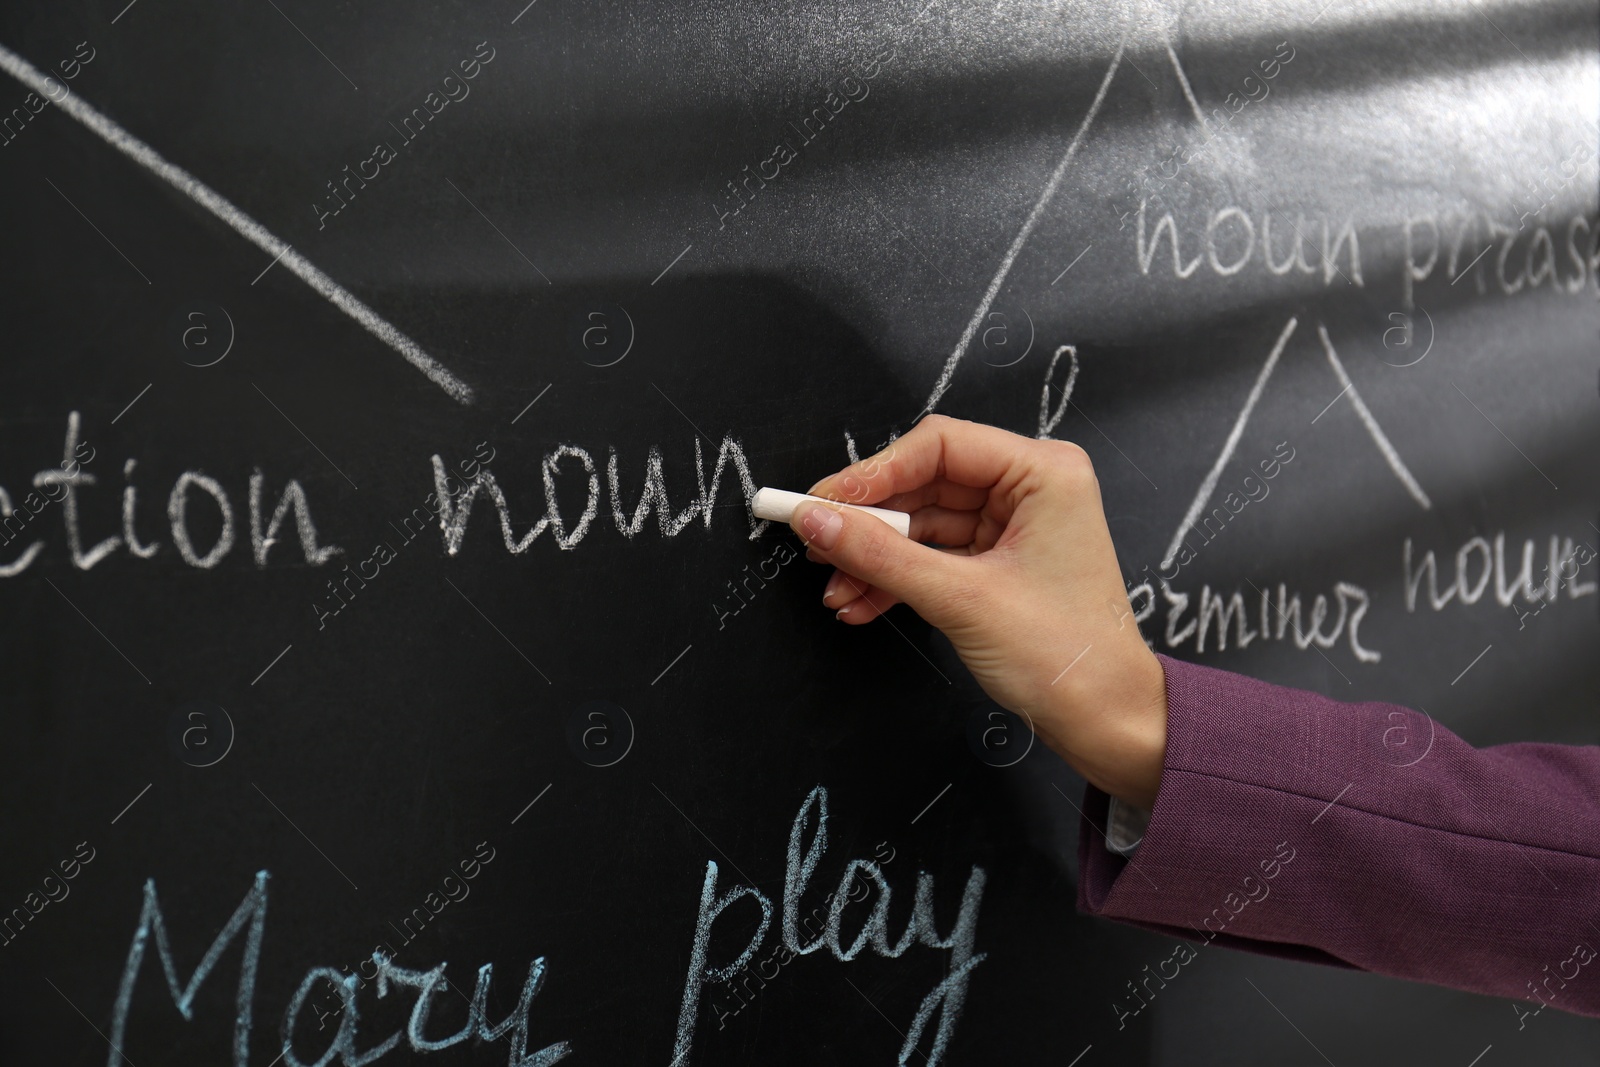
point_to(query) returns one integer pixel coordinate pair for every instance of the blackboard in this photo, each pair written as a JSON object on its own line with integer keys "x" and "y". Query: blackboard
{"x": 384, "y": 390}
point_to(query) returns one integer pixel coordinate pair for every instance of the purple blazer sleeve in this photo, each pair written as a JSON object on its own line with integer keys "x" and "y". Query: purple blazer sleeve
{"x": 1362, "y": 835}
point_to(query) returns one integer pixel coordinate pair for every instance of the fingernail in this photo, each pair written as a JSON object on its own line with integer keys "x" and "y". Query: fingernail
{"x": 832, "y": 589}
{"x": 842, "y": 612}
{"x": 812, "y": 556}
{"x": 821, "y": 526}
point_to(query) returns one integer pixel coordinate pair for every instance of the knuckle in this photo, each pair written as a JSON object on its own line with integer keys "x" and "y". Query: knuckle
{"x": 880, "y": 461}
{"x": 1071, "y": 463}
{"x": 1068, "y": 452}
{"x": 939, "y": 425}
{"x": 853, "y": 488}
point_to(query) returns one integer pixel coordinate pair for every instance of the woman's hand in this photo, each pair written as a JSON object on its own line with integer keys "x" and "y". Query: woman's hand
{"x": 1024, "y": 582}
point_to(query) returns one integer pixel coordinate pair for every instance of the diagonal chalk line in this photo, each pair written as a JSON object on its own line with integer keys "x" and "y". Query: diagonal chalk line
{"x": 1188, "y": 92}
{"x": 242, "y": 224}
{"x": 1379, "y": 438}
{"x": 1021, "y": 239}
{"x": 1207, "y": 487}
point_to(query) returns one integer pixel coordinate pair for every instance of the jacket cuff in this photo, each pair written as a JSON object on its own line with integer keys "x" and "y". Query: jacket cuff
{"x": 1216, "y": 848}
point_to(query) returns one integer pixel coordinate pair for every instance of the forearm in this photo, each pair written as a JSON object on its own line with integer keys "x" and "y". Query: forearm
{"x": 1364, "y": 834}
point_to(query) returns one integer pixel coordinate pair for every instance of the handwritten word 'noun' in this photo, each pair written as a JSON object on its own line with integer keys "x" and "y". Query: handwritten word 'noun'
{"x": 249, "y": 921}
{"x": 455, "y": 510}
{"x": 1230, "y": 240}
{"x": 947, "y": 997}
{"x": 1476, "y": 555}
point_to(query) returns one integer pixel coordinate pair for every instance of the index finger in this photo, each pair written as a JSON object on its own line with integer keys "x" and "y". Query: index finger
{"x": 967, "y": 453}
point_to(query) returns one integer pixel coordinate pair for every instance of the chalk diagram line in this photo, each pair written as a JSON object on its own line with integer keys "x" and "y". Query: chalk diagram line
{"x": 1379, "y": 438}
{"x": 1368, "y": 422}
{"x": 948, "y": 373}
{"x": 1209, "y": 485}
{"x": 1049, "y": 192}
{"x": 226, "y": 212}
{"x": 1183, "y": 80}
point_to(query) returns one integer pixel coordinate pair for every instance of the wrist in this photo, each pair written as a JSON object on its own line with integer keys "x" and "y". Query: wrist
{"x": 1114, "y": 731}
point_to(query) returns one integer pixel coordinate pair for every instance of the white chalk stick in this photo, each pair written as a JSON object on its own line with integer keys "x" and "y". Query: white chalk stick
{"x": 779, "y": 504}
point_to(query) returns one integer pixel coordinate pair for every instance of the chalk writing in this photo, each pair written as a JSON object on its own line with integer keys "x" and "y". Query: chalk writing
{"x": 452, "y": 889}
{"x": 1563, "y": 256}
{"x": 1282, "y": 55}
{"x": 946, "y": 998}
{"x": 1464, "y": 244}
{"x": 12, "y": 125}
{"x": 55, "y": 487}
{"x": 249, "y": 920}
{"x": 1049, "y": 419}
{"x": 251, "y": 912}
{"x": 948, "y": 371}
{"x": 814, "y": 924}
{"x": 1230, "y": 240}
{"x": 454, "y": 514}
{"x": 208, "y": 198}
{"x": 568, "y": 516}
{"x": 1476, "y": 562}
{"x": 1277, "y": 616}
{"x": 808, "y": 839}
{"x": 67, "y": 481}
{"x": 428, "y": 985}
{"x": 1566, "y": 578}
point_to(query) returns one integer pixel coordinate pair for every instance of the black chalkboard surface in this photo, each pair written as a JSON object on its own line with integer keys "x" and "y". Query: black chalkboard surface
{"x": 395, "y": 672}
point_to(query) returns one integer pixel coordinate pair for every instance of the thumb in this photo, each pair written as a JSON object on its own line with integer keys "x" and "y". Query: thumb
{"x": 870, "y": 549}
